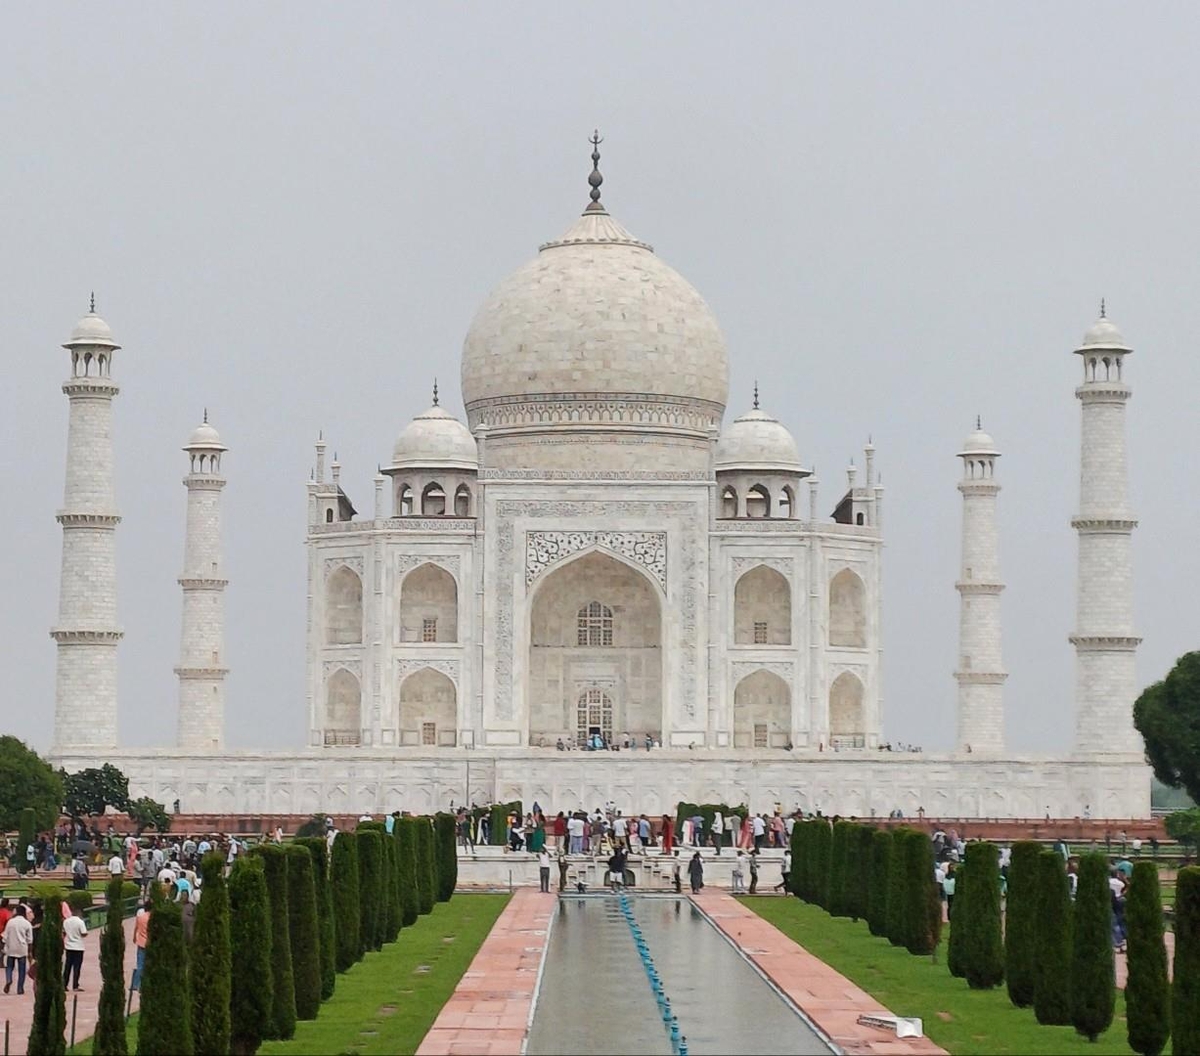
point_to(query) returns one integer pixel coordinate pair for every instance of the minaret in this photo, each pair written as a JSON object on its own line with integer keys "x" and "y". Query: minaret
{"x": 201, "y": 667}
{"x": 85, "y": 691}
{"x": 1104, "y": 640}
{"x": 980, "y": 671}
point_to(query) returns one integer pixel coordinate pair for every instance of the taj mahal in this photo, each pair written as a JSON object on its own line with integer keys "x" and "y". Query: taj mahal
{"x": 598, "y": 551}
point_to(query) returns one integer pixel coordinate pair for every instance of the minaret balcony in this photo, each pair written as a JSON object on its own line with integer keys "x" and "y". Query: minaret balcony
{"x": 1103, "y": 525}
{"x": 87, "y": 520}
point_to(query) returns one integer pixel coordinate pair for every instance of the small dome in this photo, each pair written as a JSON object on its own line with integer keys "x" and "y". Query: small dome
{"x": 205, "y": 437}
{"x": 435, "y": 439}
{"x": 91, "y": 330}
{"x": 1103, "y": 336}
{"x": 979, "y": 443}
{"x": 757, "y": 441}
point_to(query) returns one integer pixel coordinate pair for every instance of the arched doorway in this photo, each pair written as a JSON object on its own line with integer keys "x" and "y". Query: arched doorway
{"x": 595, "y": 628}
{"x": 847, "y": 724}
{"x": 428, "y": 709}
{"x": 762, "y": 711}
{"x": 429, "y": 605}
{"x": 762, "y": 608}
{"x": 343, "y": 703}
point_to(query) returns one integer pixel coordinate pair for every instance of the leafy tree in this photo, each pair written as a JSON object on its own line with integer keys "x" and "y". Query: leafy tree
{"x": 282, "y": 1024}
{"x": 147, "y": 813}
{"x": 447, "y": 846}
{"x": 983, "y": 944}
{"x": 303, "y": 931}
{"x": 877, "y": 889}
{"x": 343, "y": 869}
{"x": 1052, "y": 972}
{"x": 1147, "y": 992}
{"x": 211, "y": 961}
{"x": 1184, "y": 826}
{"x": 90, "y": 790}
{"x": 1167, "y": 715}
{"x": 47, "y": 1031}
{"x": 252, "y": 993}
{"x": 370, "y": 881}
{"x": 1185, "y": 984}
{"x": 839, "y": 869}
{"x": 1093, "y": 973}
{"x": 110, "y": 1038}
{"x": 1020, "y": 923}
{"x": 27, "y": 780}
{"x": 313, "y": 826}
{"x": 164, "y": 1022}
{"x": 406, "y": 844}
{"x": 25, "y": 837}
{"x": 896, "y": 903}
{"x": 325, "y": 919}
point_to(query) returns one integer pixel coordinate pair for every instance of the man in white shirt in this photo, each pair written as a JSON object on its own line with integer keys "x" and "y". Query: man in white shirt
{"x": 738, "y": 872}
{"x": 116, "y": 866}
{"x": 760, "y": 830}
{"x": 575, "y": 834}
{"x": 619, "y": 828}
{"x": 544, "y": 870}
{"x": 718, "y": 830}
{"x": 18, "y": 938}
{"x": 74, "y": 931}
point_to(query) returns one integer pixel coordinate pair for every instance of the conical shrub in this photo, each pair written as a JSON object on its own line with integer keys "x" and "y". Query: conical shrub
{"x": 1147, "y": 991}
{"x": 283, "y": 998}
{"x": 110, "y": 1038}
{"x": 1020, "y": 923}
{"x": 406, "y": 844}
{"x": 1052, "y": 972}
{"x": 1185, "y": 979}
{"x": 391, "y": 902}
{"x": 877, "y": 889}
{"x": 424, "y": 845}
{"x": 1093, "y": 973}
{"x": 920, "y": 935}
{"x": 370, "y": 880}
{"x": 839, "y": 870}
{"x": 303, "y": 932}
{"x": 956, "y": 948}
{"x": 447, "y": 853}
{"x": 326, "y": 924}
{"x": 165, "y": 1016}
{"x": 47, "y": 1031}
{"x": 983, "y": 941}
{"x": 252, "y": 994}
{"x": 211, "y": 960}
{"x": 896, "y": 903}
{"x": 343, "y": 867}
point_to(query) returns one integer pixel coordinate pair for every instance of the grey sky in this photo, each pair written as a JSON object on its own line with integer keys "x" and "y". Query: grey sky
{"x": 903, "y": 215}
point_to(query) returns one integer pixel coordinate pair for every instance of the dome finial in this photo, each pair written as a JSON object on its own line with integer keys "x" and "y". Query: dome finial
{"x": 756, "y": 394}
{"x": 1102, "y": 313}
{"x": 595, "y": 179}
{"x": 206, "y": 416}
{"x": 435, "y": 394}
{"x": 92, "y": 303}
{"x": 979, "y": 422}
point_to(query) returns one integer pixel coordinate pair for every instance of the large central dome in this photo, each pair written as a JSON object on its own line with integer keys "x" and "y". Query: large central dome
{"x": 595, "y": 334}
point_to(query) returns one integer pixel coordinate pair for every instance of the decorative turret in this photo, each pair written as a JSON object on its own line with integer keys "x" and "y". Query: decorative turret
{"x": 201, "y": 667}
{"x": 85, "y": 695}
{"x": 1104, "y": 638}
{"x": 757, "y": 467}
{"x": 980, "y": 671}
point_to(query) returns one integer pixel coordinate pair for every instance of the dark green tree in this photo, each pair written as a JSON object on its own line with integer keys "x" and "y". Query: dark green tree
{"x": 424, "y": 848}
{"x": 252, "y": 994}
{"x": 110, "y": 1038}
{"x": 920, "y": 936}
{"x": 165, "y": 1017}
{"x": 1184, "y": 826}
{"x": 1185, "y": 980}
{"x": 839, "y": 869}
{"x": 1167, "y": 715}
{"x": 147, "y": 813}
{"x": 370, "y": 884}
{"x": 859, "y": 879}
{"x": 406, "y": 844}
{"x": 877, "y": 889}
{"x": 343, "y": 870}
{"x": 47, "y": 1031}
{"x": 26, "y": 836}
{"x": 1147, "y": 991}
{"x": 431, "y": 860}
{"x": 303, "y": 931}
{"x": 211, "y": 960}
{"x": 1020, "y": 923}
{"x": 391, "y": 894}
{"x": 90, "y": 790}
{"x": 982, "y": 938}
{"x": 396, "y": 876}
{"x": 326, "y": 922}
{"x": 956, "y": 958}
{"x": 282, "y": 1024}
{"x": 1052, "y": 923}
{"x": 1093, "y": 973}
{"x": 798, "y": 846}
{"x": 27, "y": 780}
{"x": 897, "y": 903}
{"x": 447, "y": 845}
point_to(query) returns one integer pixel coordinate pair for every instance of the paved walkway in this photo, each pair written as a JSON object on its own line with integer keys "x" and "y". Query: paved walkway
{"x": 828, "y": 998}
{"x": 488, "y": 1014}
{"x": 17, "y": 1012}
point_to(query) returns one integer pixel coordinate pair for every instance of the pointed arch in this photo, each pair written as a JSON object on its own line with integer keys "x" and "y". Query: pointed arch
{"x": 462, "y": 501}
{"x": 404, "y": 501}
{"x": 762, "y": 608}
{"x": 758, "y": 501}
{"x": 787, "y": 503}
{"x": 762, "y": 711}
{"x": 343, "y": 607}
{"x": 433, "y": 500}
{"x": 428, "y": 709}
{"x": 847, "y": 610}
{"x": 343, "y": 708}
{"x": 729, "y": 502}
{"x": 847, "y": 723}
{"x": 428, "y": 605}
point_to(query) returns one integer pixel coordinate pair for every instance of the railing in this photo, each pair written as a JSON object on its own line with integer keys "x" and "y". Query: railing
{"x": 342, "y": 737}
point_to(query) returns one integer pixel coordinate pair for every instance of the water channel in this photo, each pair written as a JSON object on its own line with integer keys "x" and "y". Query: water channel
{"x": 596, "y": 995}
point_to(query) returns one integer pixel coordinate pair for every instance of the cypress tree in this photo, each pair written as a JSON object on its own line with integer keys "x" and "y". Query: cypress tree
{"x": 406, "y": 845}
{"x": 110, "y": 1038}
{"x": 47, "y": 1031}
{"x": 343, "y": 869}
{"x": 391, "y": 903}
{"x": 919, "y": 936}
{"x": 27, "y": 834}
{"x": 839, "y": 855}
{"x": 165, "y": 1017}
{"x": 796, "y": 845}
{"x": 370, "y": 879}
{"x": 1093, "y": 974}
{"x": 896, "y": 904}
{"x": 282, "y": 1024}
{"x": 212, "y": 965}
{"x": 251, "y": 992}
{"x": 1147, "y": 992}
{"x": 956, "y": 958}
{"x": 303, "y": 932}
{"x": 396, "y": 879}
{"x": 424, "y": 846}
{"x": 983, "y": 942}
{"x": 877, "y": 889}
{"x": 447, "y": 846}
{"x": 861, "y": 841}
{"x": 325, "y": 918}
{"x": 1052, "y": 923}
{"x": 1185, "y": 985}
{"x": 823, "y": 862}
{"x": 1020, "y": 923}
{"x": 434, "y": 861}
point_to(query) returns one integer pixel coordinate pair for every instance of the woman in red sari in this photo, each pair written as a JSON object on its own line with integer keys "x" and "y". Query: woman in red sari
{"x": 668, "y": 834}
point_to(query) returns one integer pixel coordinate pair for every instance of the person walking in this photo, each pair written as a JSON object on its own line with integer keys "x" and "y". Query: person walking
{"x": 18, "y": 941}
{"x": 696, "y": 873}
{"x": 785, "y": 871}
{"x": 718, "y": 830}
{"x": 544, "y": 870}
{"x": 74, "y": 932}
{"x": 116, "y": 866}
{"x": 760, "y": 829}
{"x": 753, "y": 856}
{"x": 739, "y": 873}
{"x": 562, "y": 868}
{"x": 676, "y": 879}
{"x": 141, "y": 928}
{"x": 668, "y": 834}
{"x": 79, "y": 873}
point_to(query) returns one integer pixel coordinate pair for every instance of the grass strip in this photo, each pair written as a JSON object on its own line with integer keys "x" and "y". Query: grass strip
{"x": 960, "y": 1020}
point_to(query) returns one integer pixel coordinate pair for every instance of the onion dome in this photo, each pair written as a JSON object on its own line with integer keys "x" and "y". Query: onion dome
{"x": 205, "y": 438}
{"x": 757, "y": 441}
{"x": 1103, "y": 336}
{"x": 91, "y": 331}
{"x": 979, "y": 443}
{"x": 435, "y": 439}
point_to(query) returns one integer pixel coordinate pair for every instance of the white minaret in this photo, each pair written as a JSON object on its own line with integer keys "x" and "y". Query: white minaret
{"x": 85, "y": 691}
{"x": 201, "y": 667}
{"x": 980, "y": 671}
{"x": 1104, "y": 640}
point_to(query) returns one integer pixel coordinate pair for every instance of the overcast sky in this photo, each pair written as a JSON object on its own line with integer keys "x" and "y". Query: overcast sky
{"x": 903, "y": 216}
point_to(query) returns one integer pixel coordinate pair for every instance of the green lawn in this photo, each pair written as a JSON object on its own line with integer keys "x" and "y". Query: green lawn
{"x": 959, "y": 1019}
{"x": 388, "y": 1001}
